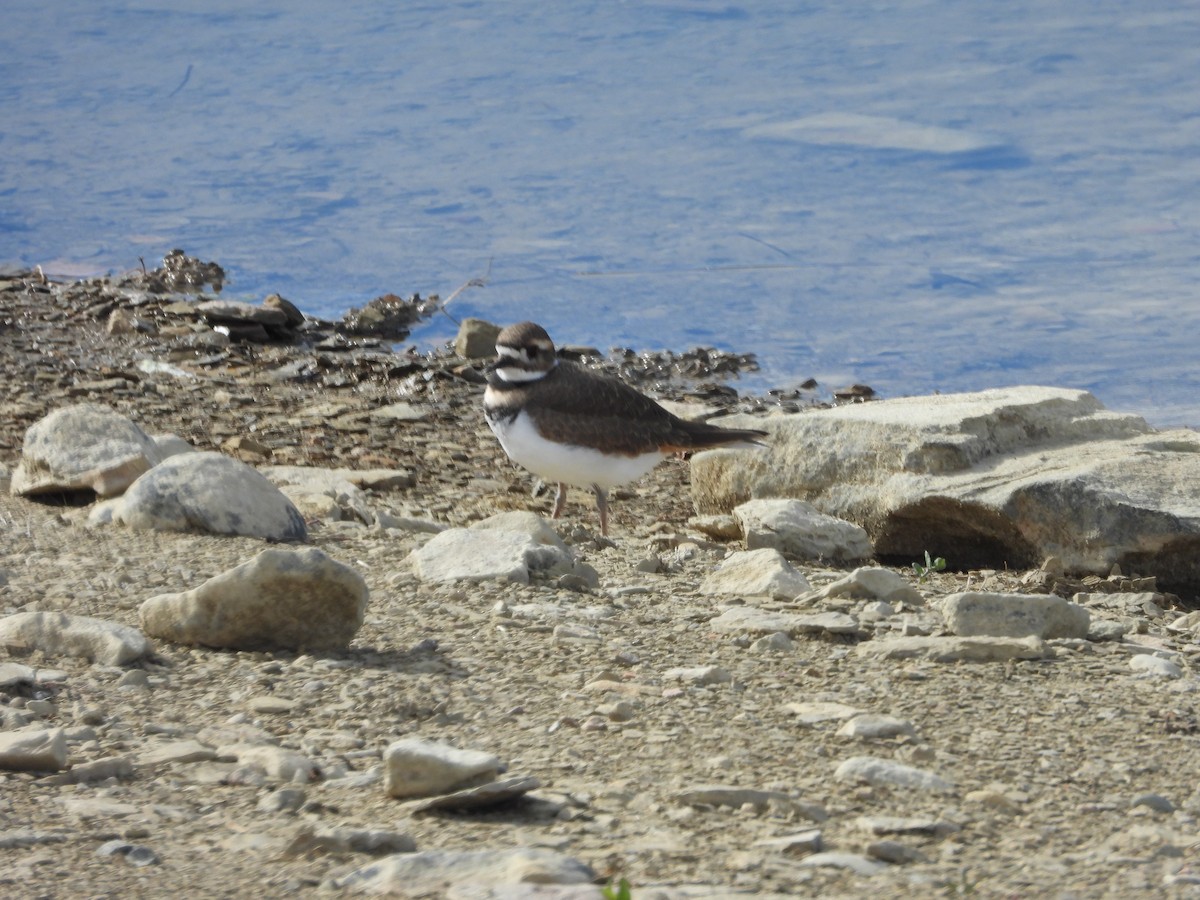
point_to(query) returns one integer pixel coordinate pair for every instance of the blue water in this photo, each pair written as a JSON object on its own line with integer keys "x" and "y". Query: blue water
{"x": 916, "y": 195}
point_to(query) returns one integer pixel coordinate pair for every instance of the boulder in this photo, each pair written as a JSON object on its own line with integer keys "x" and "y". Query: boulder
{"x": 86, "y": 447}
{"x": 1002, "y": 477}
{"x": 281, "y": 598}
{"x": 209, "y": 492}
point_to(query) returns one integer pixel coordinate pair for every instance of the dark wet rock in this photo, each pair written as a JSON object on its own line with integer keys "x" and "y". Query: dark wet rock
{"x": 388, "y": 317}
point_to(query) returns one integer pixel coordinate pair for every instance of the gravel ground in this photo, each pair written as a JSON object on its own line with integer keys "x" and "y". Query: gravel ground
{"x": 1072, "y": 776}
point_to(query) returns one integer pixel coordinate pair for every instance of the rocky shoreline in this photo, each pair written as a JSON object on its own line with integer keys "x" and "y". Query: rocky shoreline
{"x": 669, "y": 707}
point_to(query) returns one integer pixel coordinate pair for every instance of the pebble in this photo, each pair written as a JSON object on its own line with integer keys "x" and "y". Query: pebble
{"x": 800, "y": 843}
{"x": 1155, "y": 802}
{"x": 874, "y": 726}
{"x": 699, "y": 675}
{"x": 856, "y": 863}
{"x": 1152, "y": 666}
{"x": 887, "y": 773}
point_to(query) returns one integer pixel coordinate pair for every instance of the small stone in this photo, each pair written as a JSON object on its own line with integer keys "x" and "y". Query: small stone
{"x": 886, "y": 773}
{"x": 59, "y": 634}
{"x": 779, "y": 642}
{"x": 482, "y": 796}
{"x": 699, "y": 675}
{"x": 799, "y": 844}
{"x": 894, "y": 852}
{"x": 875, "y": 726}
{"x": 621, "y": 711}
{"x": 283, "y": 799}
{"x": 33, "y": 751}
{"x": 135, "y": 678}
{"x": 418, "y": 768}
{"x": 859, "y": 865}
{"x": 752, "y": 573}
{"x": 1155, "y": 666}
{"x": 1154, "y": 802}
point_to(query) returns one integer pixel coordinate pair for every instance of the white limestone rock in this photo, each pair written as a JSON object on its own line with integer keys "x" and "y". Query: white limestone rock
{"x": 41, "y": 750}
{"x": 316, "y": 488}
{"x": 1152, "y": 666}
{"x": 59, "y": 634}
{"x": 956, "y": 649}
{"x": 281, "y": 598}
{"x": 876, "y": 726}
{"x": 756, "y": 573}
{"x": 1006, "y": 477}
{"x": 209, "y": 492}
{"x": 468, "y": 873}
{"x": 83, "y": 447}
{"x": 888, "y": 773}
{"x": 509, "y": 546}
{"x": 1046, "y": 616}
{"x": 797, "y": 530}
{"x": 750, "y": 620}
{"x": 418, "y": 768}
{"x": 871, "y": 583}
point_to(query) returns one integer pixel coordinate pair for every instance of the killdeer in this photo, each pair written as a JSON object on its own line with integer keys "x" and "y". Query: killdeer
{"x": 572, "y": 426}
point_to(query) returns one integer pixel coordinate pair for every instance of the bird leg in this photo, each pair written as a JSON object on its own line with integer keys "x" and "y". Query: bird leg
{"x": 602, "y": 508}
{"x": 560, "y": 500}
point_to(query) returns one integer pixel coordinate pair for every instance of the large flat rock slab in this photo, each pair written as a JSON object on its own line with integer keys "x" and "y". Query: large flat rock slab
{"x": 995, "y": 478}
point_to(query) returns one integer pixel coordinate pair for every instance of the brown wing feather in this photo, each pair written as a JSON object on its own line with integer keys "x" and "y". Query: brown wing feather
{"x": 630, "y": 420}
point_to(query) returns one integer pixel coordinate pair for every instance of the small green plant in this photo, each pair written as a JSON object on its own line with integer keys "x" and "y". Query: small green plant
{"x": 931, "y": 565}
{"x": 620, "y": 892}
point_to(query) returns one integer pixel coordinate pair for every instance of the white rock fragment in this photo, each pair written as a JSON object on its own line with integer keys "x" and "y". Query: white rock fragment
{"x": 418, "y": 768}
{"x": 813, "y": 712}
{"x": 281, "y": 598}
{"x": 856, "y": 863}
{"x": 42, "y": 750}
{"x": 748, "y": 619}
{"x": 870, "y": 583}
{"x": 699, "y": 675}
{"x": 277, "y": 762}
{"x": 887, "y": 773}
{"x": 1013, "y": 615}
{"x": 756, "y": 573}
{"x": 1155, "y": 666}
{"x": 955, "y": 649}
{"x": 209, "y": 492}
{"x": 466, "y": 873}
{"x": 59, "y": 634}
{"x": 176, "y": 752}
{"x": 800, "y": 843}
{"x": 875, "y": 726}
{"x": 83, "y": 447}
{"x": 505, "y": 547}
{"x": 796, "y": 529}
{"x": 373, "y": 841}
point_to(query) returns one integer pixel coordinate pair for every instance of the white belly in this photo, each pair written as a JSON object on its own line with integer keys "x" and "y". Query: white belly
{"x": 578, "y": 466}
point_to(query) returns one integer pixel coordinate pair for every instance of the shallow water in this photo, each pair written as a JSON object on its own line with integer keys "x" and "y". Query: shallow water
{"x": 921, "y": 196}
